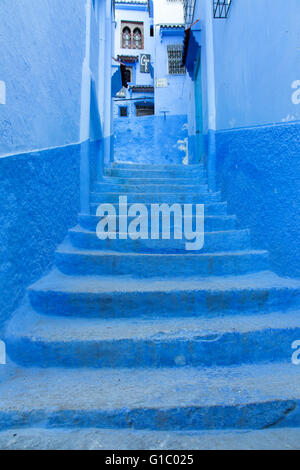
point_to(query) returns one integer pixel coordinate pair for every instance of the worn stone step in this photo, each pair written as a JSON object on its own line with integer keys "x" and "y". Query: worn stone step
{"x": 150, "y": 188}
{"x": 153, "y": 173}
{"x": 238, "y": 397}
{"x": 159, "y": 198}
{"x": 211, "y": 208}
{"x": 155, "y": 181}
{"x": 231, "y": 240}
{"x": 128, "y": 296}
{"x": 148, "y": 166}
{"x": 71, "y": 260}
{"x": 131, "y": 439}
{"x": 212, "y": 223}
{"x": 44, "y": 341}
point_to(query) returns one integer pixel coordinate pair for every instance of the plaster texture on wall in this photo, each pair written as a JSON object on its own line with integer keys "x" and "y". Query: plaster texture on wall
{"x": 41, "y": 68}
{"x": 256, "y": 65}
{"x": 39, "y": 200}
{"x": 151, "y": 139}
{"x": 174, "y": 97}
{"x": 258, "y": 172}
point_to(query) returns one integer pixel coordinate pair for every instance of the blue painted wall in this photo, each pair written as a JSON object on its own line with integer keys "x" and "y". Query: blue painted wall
{"x": 258, "y": 172}
{"x": 41, "y": 63}
{"x": 53, "y": 71}
{"x": 256, "y": 84}
{"x": 151, "y": 139}
{"x": 174, "y": 97}
{"x": 39, "y": 200}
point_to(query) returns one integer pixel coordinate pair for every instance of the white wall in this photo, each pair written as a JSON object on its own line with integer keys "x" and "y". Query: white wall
{"x": 168, "y": 11}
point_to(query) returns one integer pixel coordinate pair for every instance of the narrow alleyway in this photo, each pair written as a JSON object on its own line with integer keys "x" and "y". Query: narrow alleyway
{"x": 145, "y": 335}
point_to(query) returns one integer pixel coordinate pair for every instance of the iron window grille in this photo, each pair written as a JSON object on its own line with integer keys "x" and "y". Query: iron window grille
{"x": 221, "y": 8}
{"x": 175, "y": 59}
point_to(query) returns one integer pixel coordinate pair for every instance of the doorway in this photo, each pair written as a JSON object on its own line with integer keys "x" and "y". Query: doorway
{"x": 199, "y": 150}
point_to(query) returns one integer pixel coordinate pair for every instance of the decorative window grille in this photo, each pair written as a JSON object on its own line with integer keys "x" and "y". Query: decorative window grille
{"x": 221, "y": 8}
{"x": 126, "y": 38}
{"x": 175, "y": 59}
{"x": 132, "y": 35}
{"x": 137, "y": 38}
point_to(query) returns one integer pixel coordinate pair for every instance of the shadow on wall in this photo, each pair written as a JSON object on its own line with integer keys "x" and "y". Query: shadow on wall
{"x": 258, "y": 172}
{"x": 151, "y": 139}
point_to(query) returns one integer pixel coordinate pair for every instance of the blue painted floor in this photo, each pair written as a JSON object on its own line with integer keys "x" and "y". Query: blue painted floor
{"x": 144, "y": 337}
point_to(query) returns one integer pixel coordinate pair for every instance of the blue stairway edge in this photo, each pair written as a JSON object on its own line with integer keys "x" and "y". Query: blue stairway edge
{"x": 79, "y": 261}
{"x": 44, "y": 341}
{"x": 119, "y": 296}
{"x": 247, "y": 396}
{"x": 128, "y": 439}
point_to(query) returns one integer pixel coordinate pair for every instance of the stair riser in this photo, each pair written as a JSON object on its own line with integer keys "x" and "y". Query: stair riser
{"x": 211, "y": 224}
{"x": 160, "y": 198}
{"x": 153, "y": 266}
{"x": 156, "y": 181}
{"x": 122, "y": 173}
{"x": 217, "y": 208}
{"x": 213, "y": 242}
{"x": 149, "y": 188}
{"x": 147, "y": 166}
{"x": 256, "y": 415}
{"x": 214, "y": 350}
{"x": 167, "y": 304}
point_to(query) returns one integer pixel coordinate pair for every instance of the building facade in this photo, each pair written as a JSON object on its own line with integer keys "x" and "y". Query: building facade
{"x": 134, "y": 48}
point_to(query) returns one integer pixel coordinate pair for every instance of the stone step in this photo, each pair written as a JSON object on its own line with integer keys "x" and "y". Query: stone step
{"x": 159, "y": 198}
{"x": 155, "y": 181}
{"x": 131, "y": 439}
{"x": 212, "y": 223}
{"x": 34, "y": 340}
{"x": 152, "y": 173}
{"x": 213, "y": 208}
{"x": 71, "y": 260}
{"x": 126, "y": 296}
{"x": 147, "y": 166}
{"x": 150, "y": 188}
{"x": 238, "y": 397}
{"x": 231, "y": 240}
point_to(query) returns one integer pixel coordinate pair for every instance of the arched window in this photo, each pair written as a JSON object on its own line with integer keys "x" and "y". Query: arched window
{"x": 126, "y": 38}
{"x": 137, "y": 38}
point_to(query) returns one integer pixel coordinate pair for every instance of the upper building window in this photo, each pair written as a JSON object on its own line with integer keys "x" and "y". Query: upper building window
{"x": 137, "y": 38}
{"x": 126, "y": 38}
{"x": 175, "y": 59}
{"x": 132, "y": 35}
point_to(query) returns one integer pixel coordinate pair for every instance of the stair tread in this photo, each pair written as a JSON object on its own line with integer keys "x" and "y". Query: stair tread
{"x": 132, "y": 439}
{"x": 149, "y": 166}
{"x": 69, "y": 248}
{"x": 79, "y": 229}
{"x": 26, "y": 323}
{"x": 55, "y": 390}
{"x": 120, "y": 284}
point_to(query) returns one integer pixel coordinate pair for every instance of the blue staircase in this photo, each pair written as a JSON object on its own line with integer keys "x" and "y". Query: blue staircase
{"x": 143, "y": 335}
